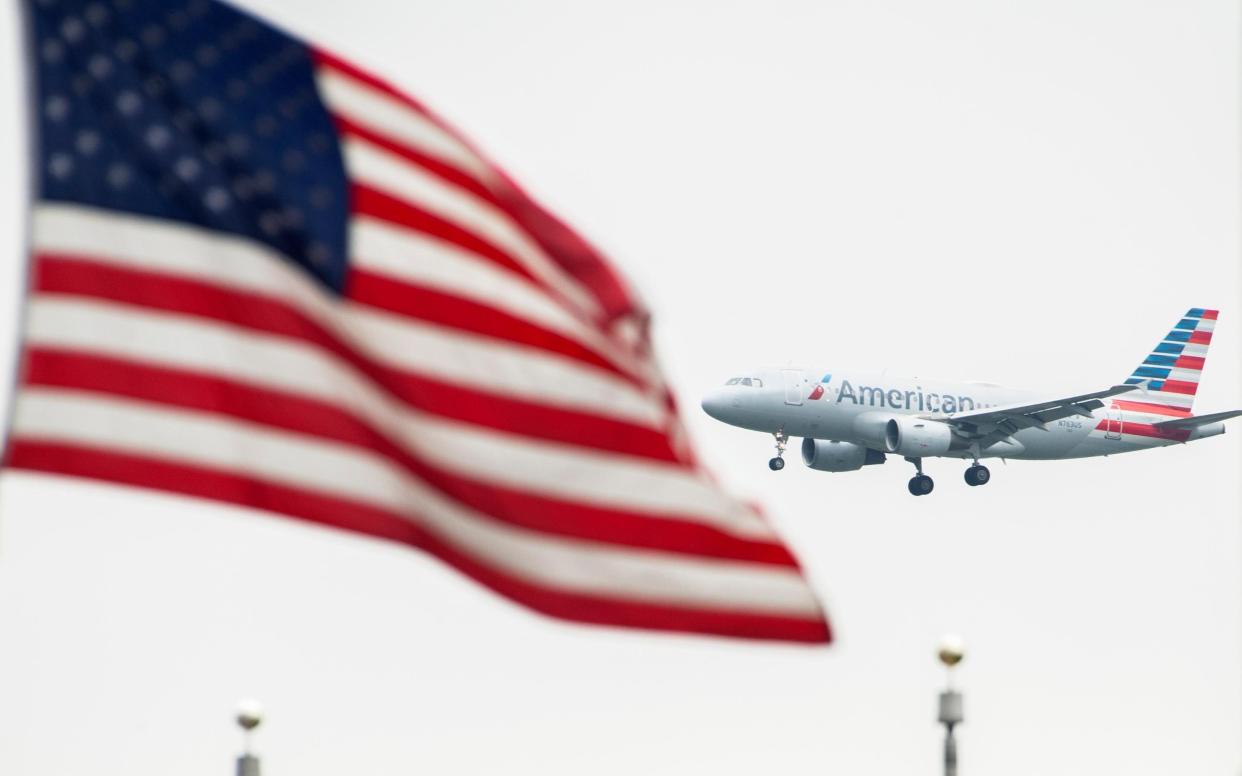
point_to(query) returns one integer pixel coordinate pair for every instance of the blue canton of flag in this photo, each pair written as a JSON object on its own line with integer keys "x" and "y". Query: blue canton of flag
{"x": 194, "y": 112}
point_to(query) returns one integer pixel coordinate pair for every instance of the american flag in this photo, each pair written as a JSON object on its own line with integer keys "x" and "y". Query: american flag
{"x": 263, "y": 276}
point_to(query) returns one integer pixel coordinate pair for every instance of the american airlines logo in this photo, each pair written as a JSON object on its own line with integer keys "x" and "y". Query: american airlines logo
{"x": 818, "y": 391}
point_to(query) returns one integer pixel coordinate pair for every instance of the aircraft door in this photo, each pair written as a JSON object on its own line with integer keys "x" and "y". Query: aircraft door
{"x": 794, "y": 381}
{"x": 1112, "y": 424}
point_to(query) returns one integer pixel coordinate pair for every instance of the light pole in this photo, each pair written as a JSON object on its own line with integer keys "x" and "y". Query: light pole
{"x": 951, "y": 652}
{"x": 249, "y": 715}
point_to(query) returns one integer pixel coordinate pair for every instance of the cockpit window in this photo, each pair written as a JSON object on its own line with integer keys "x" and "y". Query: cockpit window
{"x": 734, "y": 381}
{"x": 753, "y": 382}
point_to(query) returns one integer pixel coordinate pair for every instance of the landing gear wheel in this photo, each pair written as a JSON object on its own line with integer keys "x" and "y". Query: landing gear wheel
{"x": 978, "y": 475}
{"x": 782, "y": 439}
{"x": 921, "y": 485}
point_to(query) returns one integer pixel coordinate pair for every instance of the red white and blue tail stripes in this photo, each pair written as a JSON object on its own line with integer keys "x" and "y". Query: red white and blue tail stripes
{"x": 1169, "y": 377}
{"x": 1172, "y": 370}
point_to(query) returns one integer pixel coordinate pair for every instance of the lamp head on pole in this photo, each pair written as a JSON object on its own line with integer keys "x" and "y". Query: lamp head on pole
{"x": 249, "y": 714}
{"x": 952, "y": 650}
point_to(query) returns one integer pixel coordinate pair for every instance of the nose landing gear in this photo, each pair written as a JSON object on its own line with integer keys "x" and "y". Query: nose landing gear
{"x": 778, "y": 463}
{"x": 977, "y": 474}
{"x": 920, "y": 484}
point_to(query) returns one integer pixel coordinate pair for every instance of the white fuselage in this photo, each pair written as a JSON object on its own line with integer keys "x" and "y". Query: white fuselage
{"x": 853, "y": 407}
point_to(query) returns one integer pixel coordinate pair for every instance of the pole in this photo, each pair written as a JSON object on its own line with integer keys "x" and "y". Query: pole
{"x": 951, "y": 653}
{"x": 950, "y": 753}
{"x": 247, "y": 765}
{"x": 249, "y": 715}
{"x": 950, "y": 715}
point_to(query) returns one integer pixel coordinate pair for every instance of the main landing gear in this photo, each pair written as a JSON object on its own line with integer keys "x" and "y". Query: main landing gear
{"x": 920, "y": 484}
{"x": 977, "y": 474}
{"x": 778, "y": 463}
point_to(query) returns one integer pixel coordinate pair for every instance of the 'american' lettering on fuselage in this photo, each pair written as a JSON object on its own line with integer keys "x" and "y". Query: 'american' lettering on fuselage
{"x": 895, "y": 398}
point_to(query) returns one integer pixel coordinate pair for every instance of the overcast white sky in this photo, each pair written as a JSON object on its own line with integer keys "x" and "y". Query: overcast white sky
{"x": 1024, "y": 192}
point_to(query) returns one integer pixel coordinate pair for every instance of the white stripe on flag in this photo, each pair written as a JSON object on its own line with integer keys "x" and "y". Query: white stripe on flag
{"x": 394, "y": 175}
{"x": 483, "y": 363}
{"x": 350, "y": 473}
{"x": 420, "y": 259}
{"x": 371, "y": 108}
{"x": 216, "y": 349}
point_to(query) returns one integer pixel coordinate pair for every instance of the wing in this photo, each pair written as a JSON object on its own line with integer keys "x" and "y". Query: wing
{"x": 999, "y": 422}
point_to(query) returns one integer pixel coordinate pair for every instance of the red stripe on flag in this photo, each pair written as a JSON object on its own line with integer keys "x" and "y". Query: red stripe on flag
{"x": 1179, "y": 386}
{"x": 328, "y": 59}
{"x": 367, "y": 201}
{"x": 372, "y": 202}
{"x": 81, "y": 275}
{"x": 1199, "y": 337}
{"x": 448, "y": 172}
{"x": 252, "y": 311}
{"x": 557, "y": 240}
{"x": 1210, "y": 314}
{"x": 165, "y": 475}
{"x": 277, "y": 409}
{"x": 562, "y": 244}
{"x": 395, "y": 296}
{"x": 1189, "y": 362}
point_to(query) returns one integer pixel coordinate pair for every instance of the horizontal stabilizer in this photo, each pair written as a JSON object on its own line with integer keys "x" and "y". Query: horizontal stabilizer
{"x": 1196, "y": 420}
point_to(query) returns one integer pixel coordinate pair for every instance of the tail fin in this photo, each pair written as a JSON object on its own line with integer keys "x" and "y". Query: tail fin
{"x": 1170, "y": 373}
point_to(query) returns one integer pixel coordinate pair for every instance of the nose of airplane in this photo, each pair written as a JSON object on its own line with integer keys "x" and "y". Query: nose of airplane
{"x": 715, "y": 403}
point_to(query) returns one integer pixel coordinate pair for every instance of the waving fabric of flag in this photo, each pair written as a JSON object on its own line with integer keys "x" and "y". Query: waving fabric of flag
{"x": 263, "y": 276}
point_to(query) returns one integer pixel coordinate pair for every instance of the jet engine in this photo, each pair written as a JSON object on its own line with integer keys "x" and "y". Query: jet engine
{"x": 914, "y": 437}
{"x": 827, "y": 456}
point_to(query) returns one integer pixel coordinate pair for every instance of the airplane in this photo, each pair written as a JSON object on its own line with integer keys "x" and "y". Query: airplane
{"x": 849, "y": 420}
